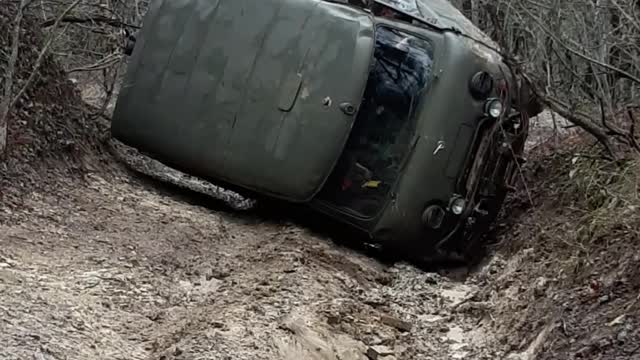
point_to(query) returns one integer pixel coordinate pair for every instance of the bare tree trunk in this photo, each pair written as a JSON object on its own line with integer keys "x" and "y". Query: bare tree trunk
{"x": 5, "y": 103}
{"x": 469, "y": 9}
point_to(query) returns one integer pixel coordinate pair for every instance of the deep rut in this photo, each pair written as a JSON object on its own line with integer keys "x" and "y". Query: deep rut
{"x": 121, "y": 270}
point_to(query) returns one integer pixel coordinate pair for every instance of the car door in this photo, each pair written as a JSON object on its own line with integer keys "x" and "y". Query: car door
{"x": 260, "y": 94}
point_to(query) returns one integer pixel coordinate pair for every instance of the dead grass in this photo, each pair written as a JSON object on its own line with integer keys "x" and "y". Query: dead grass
{"x": 578, "y": 251}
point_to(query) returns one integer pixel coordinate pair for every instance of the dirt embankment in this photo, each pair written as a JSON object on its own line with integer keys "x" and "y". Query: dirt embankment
{"x": 51, "y": 131}
{"x": 100, "y": 263}
{"x": 572, "y": 286}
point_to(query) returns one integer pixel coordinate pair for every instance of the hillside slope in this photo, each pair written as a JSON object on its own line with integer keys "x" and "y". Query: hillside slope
{"x": 572, "y": 284}
{"x": 50, "y": 122}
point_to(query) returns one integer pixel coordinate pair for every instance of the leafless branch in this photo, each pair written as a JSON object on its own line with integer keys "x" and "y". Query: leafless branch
{"x": 583, "y": 56}
{"x": 43, "y": 53}
{"x": 104, "y": 63}
{"x": 6, "y": 103}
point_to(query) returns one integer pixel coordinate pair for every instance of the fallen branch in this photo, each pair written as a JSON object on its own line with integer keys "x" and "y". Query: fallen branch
{"x": 575, "y": 117}
{"x": 94, "y": 19}
{"x": 104, "y": 63}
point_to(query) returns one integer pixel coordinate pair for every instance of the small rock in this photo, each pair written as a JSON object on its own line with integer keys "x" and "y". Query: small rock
{"x": 604, "y": 343}
{"x": 375, "y": 340}
{"x": 218, "y": 274}
{"x": 604, "y": 299}
{"x": 622, "y": 336}
{"x": 431, "y": 318}
{"x": 387, "y": 340}
{"x": 384, "y": 279}
{"x": 333, "y": 319}
{"x": 217, "y": 325}
{"x": 399, "y": 350}
{"x": 396, "y": 323}
{"x": 467, "y": 307}
{"x": 540, "y": 287}
{"x": 379, "y": 352}
{"x": 431, "y": 278}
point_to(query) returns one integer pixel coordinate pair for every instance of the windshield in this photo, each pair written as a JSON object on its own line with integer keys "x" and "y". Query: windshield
{"x": 384, "y": 130}
{"x": 409, "y": 7}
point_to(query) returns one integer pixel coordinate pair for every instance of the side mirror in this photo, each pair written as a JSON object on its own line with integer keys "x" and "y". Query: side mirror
{"x": 130, "y": 44}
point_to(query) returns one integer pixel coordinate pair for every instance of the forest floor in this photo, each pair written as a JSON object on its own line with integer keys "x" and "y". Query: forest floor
{"x": 116, "y": 265}
{"x": 121, "y": 268}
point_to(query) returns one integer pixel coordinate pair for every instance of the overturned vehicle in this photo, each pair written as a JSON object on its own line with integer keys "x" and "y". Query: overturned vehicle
{"x": 396, "y": 117}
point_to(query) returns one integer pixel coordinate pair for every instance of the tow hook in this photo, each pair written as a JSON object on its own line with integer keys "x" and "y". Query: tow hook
{"x": 505, "y": 148}
{"x": 478, "y": 210}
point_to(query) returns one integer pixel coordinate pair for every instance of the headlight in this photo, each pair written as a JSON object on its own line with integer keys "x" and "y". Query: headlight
{"x": 433, "y": 216}
{"x": 480, "y": 85}
{"x": 458, "y": 206}
{"x": 494, "y": 108}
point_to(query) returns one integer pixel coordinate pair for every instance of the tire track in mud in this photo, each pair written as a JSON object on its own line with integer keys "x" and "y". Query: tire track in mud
{"x": 121, "y": 270}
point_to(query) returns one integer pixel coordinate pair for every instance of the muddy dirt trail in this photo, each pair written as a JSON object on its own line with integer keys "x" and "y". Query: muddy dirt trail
{"x": 120, "y": 268}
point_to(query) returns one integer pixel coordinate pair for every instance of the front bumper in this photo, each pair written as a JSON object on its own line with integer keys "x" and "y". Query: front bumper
{"x": 489, "y": 174}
